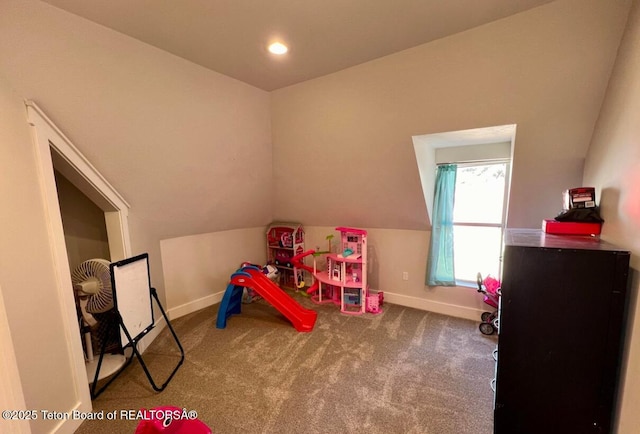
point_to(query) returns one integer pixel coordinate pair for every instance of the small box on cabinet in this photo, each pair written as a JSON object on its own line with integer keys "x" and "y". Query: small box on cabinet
{"x": 571, "y": 228}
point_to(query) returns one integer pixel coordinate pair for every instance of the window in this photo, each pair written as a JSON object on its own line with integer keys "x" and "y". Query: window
{"x": 472, "y": 240}
{"x": 479, "y": 219}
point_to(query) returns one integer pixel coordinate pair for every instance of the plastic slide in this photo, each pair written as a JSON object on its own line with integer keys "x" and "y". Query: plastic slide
{"x": 303, "y": 320}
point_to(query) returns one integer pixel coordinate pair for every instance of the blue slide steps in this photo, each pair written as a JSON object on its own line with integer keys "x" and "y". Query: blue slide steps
{"x": 231, "y": 301}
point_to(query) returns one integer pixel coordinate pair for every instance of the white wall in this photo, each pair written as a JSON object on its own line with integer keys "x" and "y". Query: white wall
{"x": 486, "y": 151}
{"x": 613, "y": 167}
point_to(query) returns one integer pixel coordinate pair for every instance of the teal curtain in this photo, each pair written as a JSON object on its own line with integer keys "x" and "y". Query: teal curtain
{"x": 440, "y": 270}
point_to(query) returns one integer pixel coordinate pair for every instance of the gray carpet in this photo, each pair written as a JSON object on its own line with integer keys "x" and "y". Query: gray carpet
{"x": 402, "y": 371}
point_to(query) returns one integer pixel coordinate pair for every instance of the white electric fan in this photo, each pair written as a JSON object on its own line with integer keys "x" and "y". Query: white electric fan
{"x": 92, "y": 283}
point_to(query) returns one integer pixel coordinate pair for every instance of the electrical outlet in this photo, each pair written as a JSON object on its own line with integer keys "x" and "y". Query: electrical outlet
{"x": 405, "y": 275}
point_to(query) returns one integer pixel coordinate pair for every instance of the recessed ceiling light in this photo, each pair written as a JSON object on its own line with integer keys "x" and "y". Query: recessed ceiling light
{"x": 278, "y": 48}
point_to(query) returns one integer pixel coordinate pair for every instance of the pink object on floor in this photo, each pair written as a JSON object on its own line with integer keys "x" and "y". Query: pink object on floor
{"x": 374, "y": 302}
{"x": 170, "y": 420}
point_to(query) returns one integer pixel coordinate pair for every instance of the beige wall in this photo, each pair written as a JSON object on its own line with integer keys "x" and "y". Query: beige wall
{"x": 391, "y": 252}
{"x": 344, "y": 140}
{"x": 11, "y": 395}
{"x": 189, "y": 149}
{"x": 27, "y": 271}
{"x": 85, "y": 231}
{"x": 613, "y": 167}
{"x": 197, "y": 267}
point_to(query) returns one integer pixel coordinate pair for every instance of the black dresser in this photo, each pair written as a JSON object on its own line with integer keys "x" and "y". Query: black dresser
{"x": 561, "y": 322}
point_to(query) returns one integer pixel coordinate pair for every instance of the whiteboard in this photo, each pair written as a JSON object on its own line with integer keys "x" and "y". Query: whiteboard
{"x": 131, "y": 284}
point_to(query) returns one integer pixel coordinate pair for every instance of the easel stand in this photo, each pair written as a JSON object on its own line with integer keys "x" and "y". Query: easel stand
{"x": 133, "y": 342}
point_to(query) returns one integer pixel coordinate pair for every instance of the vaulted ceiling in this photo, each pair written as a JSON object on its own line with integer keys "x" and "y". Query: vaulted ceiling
{"x": 230, "y": 36}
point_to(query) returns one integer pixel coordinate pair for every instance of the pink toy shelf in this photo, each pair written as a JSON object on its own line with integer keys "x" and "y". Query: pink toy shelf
{"x": 284, "y": 241}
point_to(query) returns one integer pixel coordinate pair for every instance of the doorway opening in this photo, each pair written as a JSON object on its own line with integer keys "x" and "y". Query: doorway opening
{"x": 56, "y": 153}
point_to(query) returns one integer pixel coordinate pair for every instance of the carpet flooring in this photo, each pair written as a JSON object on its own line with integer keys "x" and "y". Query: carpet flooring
{"x": 401, "y": 371}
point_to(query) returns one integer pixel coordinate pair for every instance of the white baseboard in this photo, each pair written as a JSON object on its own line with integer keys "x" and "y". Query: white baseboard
{"x": 391, "y": 297}
{"x": 433, "y": 306}
{"x": 193, "y": 306}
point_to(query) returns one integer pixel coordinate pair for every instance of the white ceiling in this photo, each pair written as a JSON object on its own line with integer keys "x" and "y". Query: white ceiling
{"x": 324, "y": 36}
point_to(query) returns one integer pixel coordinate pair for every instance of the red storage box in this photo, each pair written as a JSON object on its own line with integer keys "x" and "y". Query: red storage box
{"x": 570, "y": 228}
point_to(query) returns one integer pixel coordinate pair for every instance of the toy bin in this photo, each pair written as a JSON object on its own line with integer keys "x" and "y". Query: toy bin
{"x": 374, "y": 302}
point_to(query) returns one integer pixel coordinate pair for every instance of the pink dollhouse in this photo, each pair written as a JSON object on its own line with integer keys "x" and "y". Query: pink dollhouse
{"x": 344, "y": 279}
{"x": 346, "y": 274}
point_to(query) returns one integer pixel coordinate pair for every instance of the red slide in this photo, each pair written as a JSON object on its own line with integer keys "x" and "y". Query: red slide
{"x": 297, "y": 263}
{"x": 302, "y": 319}
{"x": 297, "y": 260}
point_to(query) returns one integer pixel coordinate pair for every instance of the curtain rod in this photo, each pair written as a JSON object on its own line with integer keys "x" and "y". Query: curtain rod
{"x": 488, "y": 160}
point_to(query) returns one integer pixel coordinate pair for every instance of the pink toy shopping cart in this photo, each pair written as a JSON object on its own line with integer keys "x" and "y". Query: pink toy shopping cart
{"x": 490, "y": 288}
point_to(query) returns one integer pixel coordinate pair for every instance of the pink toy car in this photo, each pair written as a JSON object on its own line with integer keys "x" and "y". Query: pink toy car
{"x": 283, "y": 258}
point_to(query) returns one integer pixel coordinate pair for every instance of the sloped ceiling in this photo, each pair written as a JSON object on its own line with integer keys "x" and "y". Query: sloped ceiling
{"x": 230, "y": 36}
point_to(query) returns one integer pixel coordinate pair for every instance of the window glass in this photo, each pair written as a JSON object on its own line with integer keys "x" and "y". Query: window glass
{"x": 476, "y": 249}
{"x": 477, "y": 217}
{"x": 479, "y": 193}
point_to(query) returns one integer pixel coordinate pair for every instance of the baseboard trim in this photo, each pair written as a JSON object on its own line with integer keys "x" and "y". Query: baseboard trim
{"x": 433, "y": 306}
{"x": 193, "y": 306}
{"x": 391, "y": 297}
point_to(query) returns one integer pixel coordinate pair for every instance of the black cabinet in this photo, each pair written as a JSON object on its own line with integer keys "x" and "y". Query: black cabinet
{"x": 561, "y": 322}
